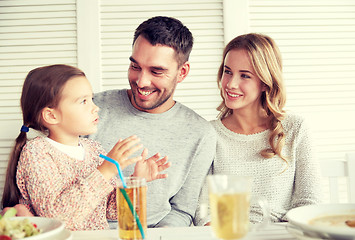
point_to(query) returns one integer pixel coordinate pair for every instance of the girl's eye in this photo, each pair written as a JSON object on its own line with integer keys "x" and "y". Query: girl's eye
{"x": 84, "y": 101}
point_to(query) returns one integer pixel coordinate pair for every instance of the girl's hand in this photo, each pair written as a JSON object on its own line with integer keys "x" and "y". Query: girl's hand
{"x": 21, "y": 209}
{"x": 120, "y": 152}
{"x": 150, "y": 168}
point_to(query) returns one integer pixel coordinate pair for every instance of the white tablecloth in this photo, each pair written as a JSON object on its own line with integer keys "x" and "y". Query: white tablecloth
{"x": 272, "y": 232}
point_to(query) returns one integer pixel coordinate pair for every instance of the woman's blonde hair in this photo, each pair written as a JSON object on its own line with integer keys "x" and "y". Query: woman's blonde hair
{"x": 266, "y": 60}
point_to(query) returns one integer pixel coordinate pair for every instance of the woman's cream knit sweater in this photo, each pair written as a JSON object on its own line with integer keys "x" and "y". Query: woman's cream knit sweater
{"x": 284, "y": 186}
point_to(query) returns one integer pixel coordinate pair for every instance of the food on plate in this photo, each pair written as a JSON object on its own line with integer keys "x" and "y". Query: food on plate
{"x": 10, "y": 228}
{"x": 350, "y": 223}
{"x": 344, "y": 220}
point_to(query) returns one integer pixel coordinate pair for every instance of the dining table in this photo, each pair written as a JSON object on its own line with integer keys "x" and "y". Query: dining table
{"x": 274, "y": 231}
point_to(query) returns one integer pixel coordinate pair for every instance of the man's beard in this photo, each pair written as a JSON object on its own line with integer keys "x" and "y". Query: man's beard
{"x": 156, "y": 105}
{"x": 159, "y": 102}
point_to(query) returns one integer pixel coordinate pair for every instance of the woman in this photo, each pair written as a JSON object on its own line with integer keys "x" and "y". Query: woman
{"x": 255, "y": 135}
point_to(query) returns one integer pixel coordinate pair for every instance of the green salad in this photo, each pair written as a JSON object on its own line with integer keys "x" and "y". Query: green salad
{"x": 16, "y": 229}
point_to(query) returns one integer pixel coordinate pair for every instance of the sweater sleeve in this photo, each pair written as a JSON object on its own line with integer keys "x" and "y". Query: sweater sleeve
{"x": 184, "y": 203}
{"x": 112, "y": 202}
{"x": 50, "y": 193}
{"x": 307, "y": 180}
{"x": 202, "y": 215}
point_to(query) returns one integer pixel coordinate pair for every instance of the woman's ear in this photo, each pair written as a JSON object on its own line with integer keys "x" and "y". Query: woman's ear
{"x": 49, "y": 116}
{"x": 264, "y": 87}
{"x": 183, "y": 71}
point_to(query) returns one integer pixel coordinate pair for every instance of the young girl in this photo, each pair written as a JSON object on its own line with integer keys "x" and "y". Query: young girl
{"x": 61, "y": 175}
{"x": 255, "y": 136}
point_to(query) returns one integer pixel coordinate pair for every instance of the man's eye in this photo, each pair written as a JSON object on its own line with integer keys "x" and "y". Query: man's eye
{"x": 134, "y": 67}
{"x": 157, "y": 73}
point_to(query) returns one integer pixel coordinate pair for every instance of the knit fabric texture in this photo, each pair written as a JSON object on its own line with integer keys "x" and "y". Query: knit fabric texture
{"x": 285, "y": 186}
{"x": 54, "y": 185}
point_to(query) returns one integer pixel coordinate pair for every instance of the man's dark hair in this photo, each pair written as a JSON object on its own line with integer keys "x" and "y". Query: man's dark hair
{"x": 169, "y": 32}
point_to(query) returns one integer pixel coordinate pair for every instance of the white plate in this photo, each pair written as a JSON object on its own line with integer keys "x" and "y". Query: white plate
{"x": 50, "y": 227}
{"x": 63, "y": 235}
{"x": 301, "y": 216}
{"x": 299, "y": 234}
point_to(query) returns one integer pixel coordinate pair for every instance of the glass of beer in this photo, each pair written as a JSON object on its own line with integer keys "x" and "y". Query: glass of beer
{"x": 136, "y": 191}
{"x": 230, "y": 197}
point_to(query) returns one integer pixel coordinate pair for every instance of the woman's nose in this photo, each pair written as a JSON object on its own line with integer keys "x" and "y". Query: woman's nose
{"x": 233, "y": 83}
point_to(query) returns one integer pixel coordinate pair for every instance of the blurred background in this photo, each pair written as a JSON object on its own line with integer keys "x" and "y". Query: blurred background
{"x": 316, "y": 39}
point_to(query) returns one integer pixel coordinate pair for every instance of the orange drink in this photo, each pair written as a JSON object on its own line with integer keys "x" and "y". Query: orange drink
{"x": 137, "y": 192}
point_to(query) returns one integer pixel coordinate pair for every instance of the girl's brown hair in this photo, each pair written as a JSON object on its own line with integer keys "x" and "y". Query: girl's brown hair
{"x": 266, "y": 60}
{"x": 42, "y": 88}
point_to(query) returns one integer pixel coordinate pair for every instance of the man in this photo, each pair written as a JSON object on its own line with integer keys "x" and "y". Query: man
{"x": 159, "y": 61}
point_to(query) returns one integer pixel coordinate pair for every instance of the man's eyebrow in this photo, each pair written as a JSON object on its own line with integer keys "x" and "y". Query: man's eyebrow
{"x": 158, "y": 68}
{"x": 132, "y": 59}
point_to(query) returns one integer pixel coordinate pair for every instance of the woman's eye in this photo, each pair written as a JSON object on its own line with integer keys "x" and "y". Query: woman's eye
{"x": 84, "y": 101}
{"x": 245, "y": 76}
{"x": 226, "y": 71}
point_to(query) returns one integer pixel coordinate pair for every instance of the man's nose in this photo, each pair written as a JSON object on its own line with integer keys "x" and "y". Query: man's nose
{"x": 143, "y": 79}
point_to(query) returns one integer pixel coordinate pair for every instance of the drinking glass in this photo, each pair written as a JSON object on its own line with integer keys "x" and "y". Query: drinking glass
{"x": 230, "y": 197}
{"x": 136, "y": 190}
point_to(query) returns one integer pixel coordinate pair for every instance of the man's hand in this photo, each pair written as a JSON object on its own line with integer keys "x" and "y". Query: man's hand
{"x": 150, "y": 168}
